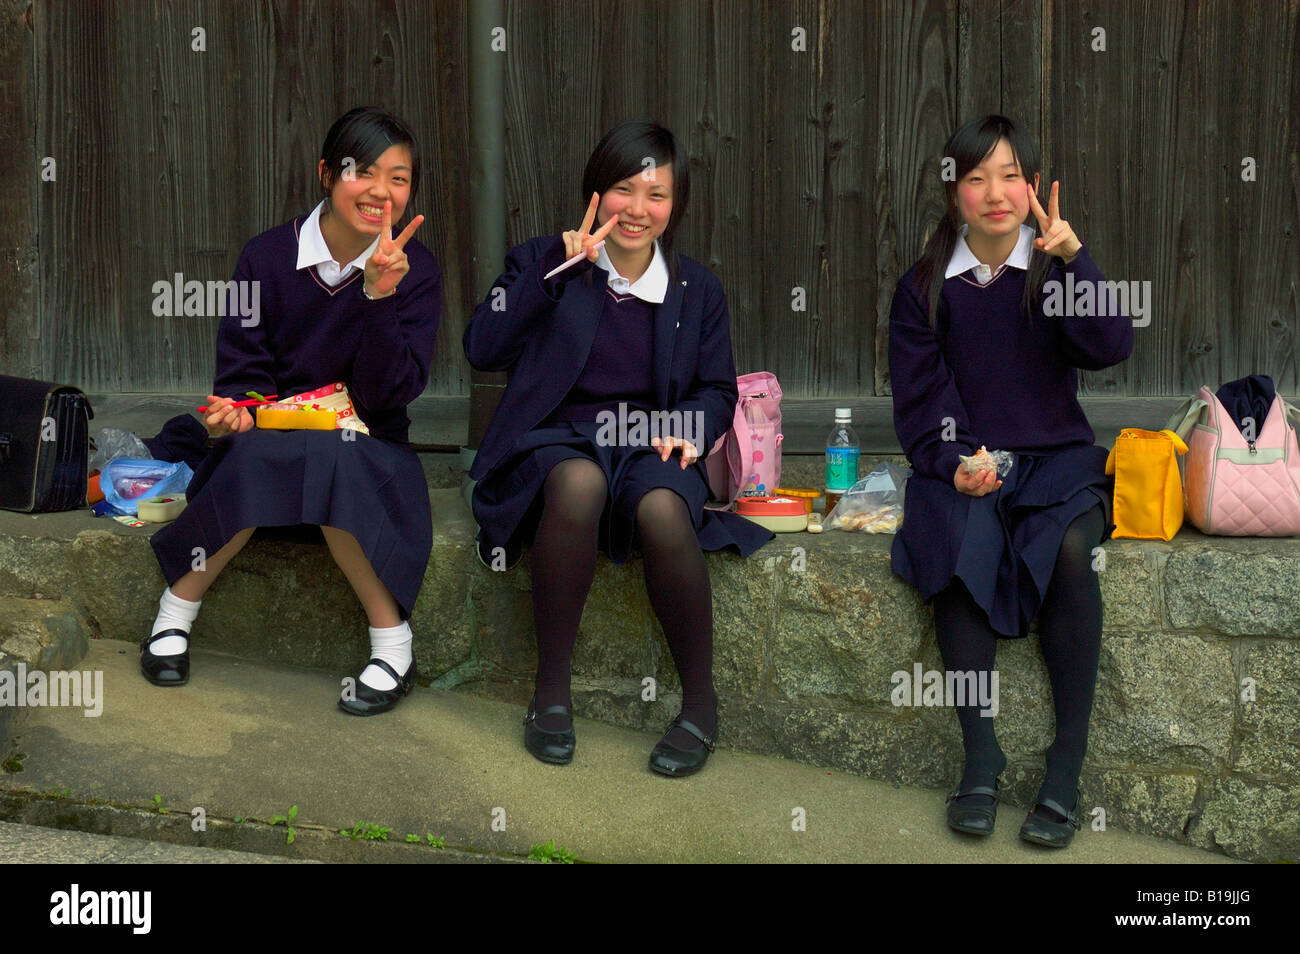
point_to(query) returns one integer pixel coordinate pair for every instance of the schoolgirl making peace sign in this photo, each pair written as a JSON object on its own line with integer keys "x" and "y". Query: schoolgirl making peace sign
{"x": 975, "y": 362}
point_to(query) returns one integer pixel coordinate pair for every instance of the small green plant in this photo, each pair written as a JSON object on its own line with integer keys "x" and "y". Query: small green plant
{"x": 288, "y": 823}
{"x": 61, "y": 792}
{"x": 435, "y": 842}
{"x": 549, "y": 852}
{"x": 157, "y": 804}
{"x": 367, "y": 831}
{"x": 238, "y": 819}
{"x": 412, "y": 839}
{"x": 14, "y": 764}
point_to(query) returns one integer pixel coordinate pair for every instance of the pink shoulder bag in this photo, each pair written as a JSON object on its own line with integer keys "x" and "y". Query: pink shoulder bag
{"x": 1234, "y": 486}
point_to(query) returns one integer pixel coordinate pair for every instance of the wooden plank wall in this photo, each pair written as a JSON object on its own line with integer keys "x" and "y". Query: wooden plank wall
{"x": 170, "y": 159}
{"x": 814, "y": 168}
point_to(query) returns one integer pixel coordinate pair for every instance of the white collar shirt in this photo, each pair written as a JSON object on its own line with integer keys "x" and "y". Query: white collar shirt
{"x": 312, "y": 250}
{"x": 651, "y": 287}
{"x": 964, "y": 260}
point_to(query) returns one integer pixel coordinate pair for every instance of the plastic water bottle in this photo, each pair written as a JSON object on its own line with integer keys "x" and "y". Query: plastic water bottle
{"x": 841, "y": 457}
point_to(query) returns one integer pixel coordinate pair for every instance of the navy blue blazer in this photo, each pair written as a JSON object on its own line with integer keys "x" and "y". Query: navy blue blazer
{"x": 544, "y": 332}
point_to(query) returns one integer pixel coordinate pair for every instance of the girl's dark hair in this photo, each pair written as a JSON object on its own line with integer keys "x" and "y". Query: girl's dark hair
{"x": 968, "y": 147}
{"x": 619, "y": 155}
{"x": 362, "y": 135}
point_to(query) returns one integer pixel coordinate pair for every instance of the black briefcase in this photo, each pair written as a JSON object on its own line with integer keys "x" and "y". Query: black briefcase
{"x": 44, "y": 445}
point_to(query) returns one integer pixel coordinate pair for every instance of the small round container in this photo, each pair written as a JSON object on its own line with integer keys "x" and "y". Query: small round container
{"x": 805, "y": 494}
{"x": 779, "y": 514}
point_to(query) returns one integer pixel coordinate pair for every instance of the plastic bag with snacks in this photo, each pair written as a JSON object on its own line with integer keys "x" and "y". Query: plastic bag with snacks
{"x": 874, "y": 504}
{"x": 112, "y": 443}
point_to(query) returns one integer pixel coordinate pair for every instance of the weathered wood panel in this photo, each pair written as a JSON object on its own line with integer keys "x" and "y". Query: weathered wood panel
{"x": 1158, "y": 126}
{"x": 916, "y": 66}
{"x": 19, "y": 341}
{"x": 176, "y": 156}
{"x": 813, "y": 168}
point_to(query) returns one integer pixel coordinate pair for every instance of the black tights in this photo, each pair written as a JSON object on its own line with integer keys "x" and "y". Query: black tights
{"x": 564, "y": 564}
{"x": 1069, "y": 626}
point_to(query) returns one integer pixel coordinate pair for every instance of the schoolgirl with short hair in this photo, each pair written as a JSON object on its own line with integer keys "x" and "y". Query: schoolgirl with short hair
{"x": 342, "y": 299}
{"x": 632, "y": 328}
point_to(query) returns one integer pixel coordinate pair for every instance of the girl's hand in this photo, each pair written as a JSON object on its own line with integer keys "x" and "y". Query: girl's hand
{"x": 665, "y": 447}
{"x": 222, "y": 419}
{"x": 977, "y": 485}
{"x": 582, "y": 240}
{"x": 1058, "y": 238}
{"x": 388, "y": 265}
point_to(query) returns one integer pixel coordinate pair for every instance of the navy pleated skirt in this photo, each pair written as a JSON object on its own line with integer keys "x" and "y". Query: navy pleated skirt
{"x": 507, "y": 503}
{"x": 372, "y": 488}
{"x": 1003, "y": 546}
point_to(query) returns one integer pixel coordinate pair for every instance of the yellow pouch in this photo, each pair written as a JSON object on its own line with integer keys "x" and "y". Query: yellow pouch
{"x": 1148, "y": 487}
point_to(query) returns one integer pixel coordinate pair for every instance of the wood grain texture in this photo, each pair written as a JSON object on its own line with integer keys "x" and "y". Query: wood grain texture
{"x": 19, "y": 327}
{"x": 815, "y": 169}
{"x": 918, "y": 78}
{"x": 175, "y": 157}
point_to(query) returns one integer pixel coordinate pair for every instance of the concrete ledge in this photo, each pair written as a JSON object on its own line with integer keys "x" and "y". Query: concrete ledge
{"x": 1195, "y": 734}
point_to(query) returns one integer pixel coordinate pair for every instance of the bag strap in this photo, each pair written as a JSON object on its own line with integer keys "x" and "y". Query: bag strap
{"x": 1187, "y": 414}
{"x": 744, "y": 447}
{"x": 1180, "y": 446}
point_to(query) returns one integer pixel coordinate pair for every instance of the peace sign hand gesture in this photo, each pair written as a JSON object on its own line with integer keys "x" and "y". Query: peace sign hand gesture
{"x": 388, "y": 265}
{"x": 1058, "y": 237}
{"x": 581, "y": 241}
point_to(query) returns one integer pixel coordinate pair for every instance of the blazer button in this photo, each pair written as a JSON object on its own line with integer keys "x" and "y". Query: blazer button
{"x": 678, "y": 325}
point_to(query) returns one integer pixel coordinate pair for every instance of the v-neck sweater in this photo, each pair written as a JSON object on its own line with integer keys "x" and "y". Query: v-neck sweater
{"x": 987, "y": 375}
{"x": 308, "y": 333}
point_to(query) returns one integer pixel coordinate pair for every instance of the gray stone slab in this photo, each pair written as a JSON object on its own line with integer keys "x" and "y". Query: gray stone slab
{"x": 29, "y": 844}
{"x": 1166, "y": 701}
{"x": 1248, "y": 588}
{"x": 252, "y": 739}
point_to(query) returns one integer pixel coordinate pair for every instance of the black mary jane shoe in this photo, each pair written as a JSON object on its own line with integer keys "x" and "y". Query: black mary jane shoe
{"x": 974, "y": 819}
{"x": 667, "y": 759}
{"x": 165, "y": 670}
{"x": 549, "y": 746}
{"x": 1051, "y": 834}
{"x": 368, "y": 701}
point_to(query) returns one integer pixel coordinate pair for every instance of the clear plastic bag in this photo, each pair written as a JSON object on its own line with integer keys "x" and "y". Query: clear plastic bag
{"x": 112, "y": 443}
{"x": 126, "y": 481}
{"x": 985, "y": 459}
{"x": 874, "y": 504}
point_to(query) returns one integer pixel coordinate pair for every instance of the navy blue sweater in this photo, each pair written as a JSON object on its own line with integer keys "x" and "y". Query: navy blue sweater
{"x": 991, "y": 376}
{"x": 542, "y": 333}
{"x": 618, "y": 365}
{"x": 309, "y": 334}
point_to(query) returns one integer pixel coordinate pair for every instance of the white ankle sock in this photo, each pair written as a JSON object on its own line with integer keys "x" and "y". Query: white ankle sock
{"x": 392, "y": 644}
{"x": 173, "y": 613}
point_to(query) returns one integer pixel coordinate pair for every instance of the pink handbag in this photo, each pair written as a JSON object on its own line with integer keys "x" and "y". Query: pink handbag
{"x": 747, "y": 459}
{"x": 1235, "y": 487}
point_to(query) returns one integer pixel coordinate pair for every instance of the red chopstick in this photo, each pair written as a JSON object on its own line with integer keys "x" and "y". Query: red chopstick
{"x": 249, "y": 403}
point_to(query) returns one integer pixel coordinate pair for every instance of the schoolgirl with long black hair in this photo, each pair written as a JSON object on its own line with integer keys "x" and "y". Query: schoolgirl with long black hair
{"x": 974, "y": 362}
